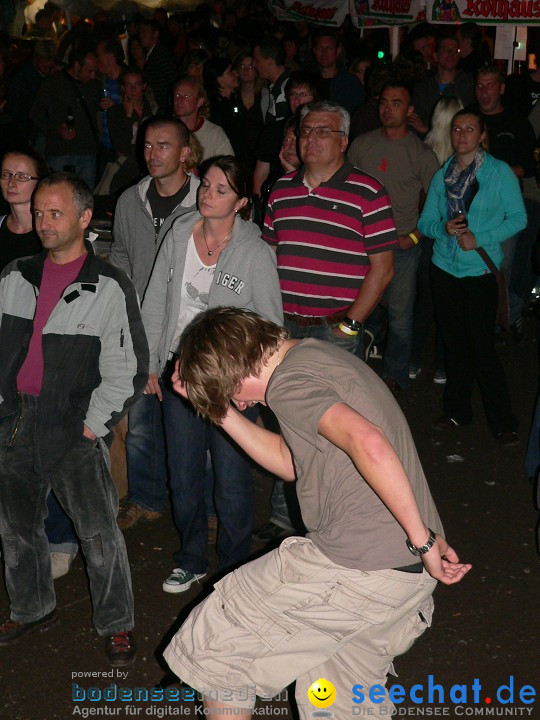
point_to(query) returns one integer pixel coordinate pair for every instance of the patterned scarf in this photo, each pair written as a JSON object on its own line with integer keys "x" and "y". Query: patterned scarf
{"x": 461, "y": 187}
{"x": 459, "y": 183}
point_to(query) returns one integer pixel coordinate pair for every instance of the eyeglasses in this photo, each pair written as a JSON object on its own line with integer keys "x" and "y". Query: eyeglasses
{"x": 301, "y": 94}
{"x": 320, "y": 131}
{"x": 19, "y": 176}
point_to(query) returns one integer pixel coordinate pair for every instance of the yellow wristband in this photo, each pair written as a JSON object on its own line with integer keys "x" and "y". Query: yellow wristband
{"x": 347, "y": 330}
{"x": 414, "y": 238}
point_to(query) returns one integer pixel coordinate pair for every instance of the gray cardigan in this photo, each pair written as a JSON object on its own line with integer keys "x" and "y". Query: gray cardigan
{"x": 245, "y": 277}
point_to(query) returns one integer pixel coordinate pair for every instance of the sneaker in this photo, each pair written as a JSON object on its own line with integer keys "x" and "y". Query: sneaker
{"x": 369, "y": 339}
{"x": 61, "y": 563}
{"x": 375, "y": 353}
{"x": 270, "y": 531}
{"x": 439, "y": 377}
{"x": 11, "y": 632}
{"x": 446, "y": 423}
{"x": 131, "y": 513}
{"x": 181, "y": 580}
{"x": 414, "y": 371}
{"x": 120, "y": 649}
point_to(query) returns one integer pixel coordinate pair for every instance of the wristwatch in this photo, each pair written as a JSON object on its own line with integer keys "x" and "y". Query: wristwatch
{"x": 424, "y": 548}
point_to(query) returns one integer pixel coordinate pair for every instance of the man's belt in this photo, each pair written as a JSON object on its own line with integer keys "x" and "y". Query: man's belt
{"x": 305, "y": 321}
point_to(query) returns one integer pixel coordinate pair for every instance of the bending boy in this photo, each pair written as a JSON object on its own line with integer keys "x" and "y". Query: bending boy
{"x": 342, "y": 602}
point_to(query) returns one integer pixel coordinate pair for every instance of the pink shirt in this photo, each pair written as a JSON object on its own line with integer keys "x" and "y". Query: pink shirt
{"x": 55, "y": 280}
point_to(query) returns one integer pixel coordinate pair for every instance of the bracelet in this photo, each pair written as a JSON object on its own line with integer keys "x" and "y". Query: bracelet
{"x": 424, "y": 548}
{"x": 353, "y": 324}
{"x": 414, "y": 238}
{"x": 347, "y": 330}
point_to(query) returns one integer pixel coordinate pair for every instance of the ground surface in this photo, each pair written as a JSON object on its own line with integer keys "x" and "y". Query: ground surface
{"x": 486, "y": 628}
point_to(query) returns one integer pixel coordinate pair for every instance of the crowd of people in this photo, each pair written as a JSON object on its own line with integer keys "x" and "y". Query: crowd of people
{"x": 283, "y": 173}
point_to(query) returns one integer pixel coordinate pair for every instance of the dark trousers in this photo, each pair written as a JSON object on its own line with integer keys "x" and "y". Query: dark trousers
{"x": 465, "y": 310}
{"x": 84, "y": 487}
{"x": 189, "y": 438}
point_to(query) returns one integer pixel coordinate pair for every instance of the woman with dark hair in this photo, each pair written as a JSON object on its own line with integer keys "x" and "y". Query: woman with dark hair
{"x": 21, "y": 171}
{"x": 211, "y": 257}
{"x": 473, "y": 205}
{"x": 124, "y": 121}
{"x": 220, "y": 82}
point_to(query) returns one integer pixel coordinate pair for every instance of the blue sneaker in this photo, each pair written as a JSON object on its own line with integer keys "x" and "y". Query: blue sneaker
{"x": 181, "y": 580}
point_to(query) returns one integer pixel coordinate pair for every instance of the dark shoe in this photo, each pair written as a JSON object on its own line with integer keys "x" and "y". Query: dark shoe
{"x": 270, "y": 531}
{"x": 120, "y": 649}
{"x": 446, "y": 423}
{"x": 393, "y": 386}
{"x": 439, "y": 377}
{"x": 131, "y": 513}
{"x": 11, "y": 631}
{"x": 508, "y": 438}
{"x": 181, "y": 580}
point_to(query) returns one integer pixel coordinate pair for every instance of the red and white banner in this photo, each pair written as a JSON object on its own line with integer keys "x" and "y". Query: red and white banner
{"x": 485, "y": 12}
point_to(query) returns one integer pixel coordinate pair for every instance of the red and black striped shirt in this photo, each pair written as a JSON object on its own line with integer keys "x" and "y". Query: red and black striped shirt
{"x": 324, "y": 237}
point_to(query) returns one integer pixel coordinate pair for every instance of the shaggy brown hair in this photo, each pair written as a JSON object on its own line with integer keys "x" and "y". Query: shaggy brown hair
{"x": 219, "y": 349}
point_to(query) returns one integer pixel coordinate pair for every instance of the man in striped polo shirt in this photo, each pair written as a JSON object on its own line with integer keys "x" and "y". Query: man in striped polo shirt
{"x": 334, "y": 235}
{"x": 333, "y": 231}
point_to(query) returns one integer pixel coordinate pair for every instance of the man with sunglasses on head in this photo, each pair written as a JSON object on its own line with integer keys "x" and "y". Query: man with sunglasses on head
{"x": 334, "y": 235}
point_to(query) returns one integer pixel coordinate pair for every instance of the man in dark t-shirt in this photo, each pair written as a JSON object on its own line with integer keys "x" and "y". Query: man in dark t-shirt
{"x": 144, "y": 214}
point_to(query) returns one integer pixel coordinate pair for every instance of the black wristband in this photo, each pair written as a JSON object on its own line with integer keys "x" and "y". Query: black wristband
{"x": 353, "y": 324}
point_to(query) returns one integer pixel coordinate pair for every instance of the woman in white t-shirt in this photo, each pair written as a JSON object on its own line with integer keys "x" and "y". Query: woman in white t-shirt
{"x": 212, "y": 257}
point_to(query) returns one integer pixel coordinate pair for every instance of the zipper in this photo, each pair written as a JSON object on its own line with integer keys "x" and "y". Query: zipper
{"x": 11, "y": 440}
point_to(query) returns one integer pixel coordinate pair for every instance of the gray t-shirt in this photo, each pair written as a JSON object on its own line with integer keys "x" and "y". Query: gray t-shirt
{"x": 344, "y": 516}
{"x": 405, "y": 167}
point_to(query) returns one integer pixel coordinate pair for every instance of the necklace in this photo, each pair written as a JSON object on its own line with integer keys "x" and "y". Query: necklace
{"x": 211, "y": 252}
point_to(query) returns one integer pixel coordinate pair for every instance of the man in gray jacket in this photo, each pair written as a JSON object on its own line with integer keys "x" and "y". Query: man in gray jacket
{"x": 144, "y": 214}
{"x": 73, "y": 359}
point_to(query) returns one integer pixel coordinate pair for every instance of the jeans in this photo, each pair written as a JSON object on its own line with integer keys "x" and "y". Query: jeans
{"x": 399, "y": 298}
{"x": 188, "y": 439}
{"x": 466, "y": 309}
{"x": 145, "y": 454}
{"x": 59, "y": 528}
{"x": 280, "y": 514}
{"x": 424, "y": 314}
{"x": 351, "y": 343}
{"x": 84, "y": 487}
{"x": 84, "y": 166}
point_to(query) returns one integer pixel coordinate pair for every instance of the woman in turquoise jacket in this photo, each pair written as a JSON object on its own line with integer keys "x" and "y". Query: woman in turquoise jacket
{"x": 473, "y": 202}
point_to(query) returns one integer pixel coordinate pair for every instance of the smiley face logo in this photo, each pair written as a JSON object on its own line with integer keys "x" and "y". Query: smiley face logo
{"x": 322, "y": 693}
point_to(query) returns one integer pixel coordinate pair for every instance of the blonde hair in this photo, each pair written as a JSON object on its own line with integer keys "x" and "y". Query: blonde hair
{"x": 439, "y": 138}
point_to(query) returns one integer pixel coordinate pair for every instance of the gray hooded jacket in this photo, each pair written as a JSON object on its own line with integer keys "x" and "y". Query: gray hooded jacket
{"x": 245, "y": 277}
{"x": 135, "y": 243}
